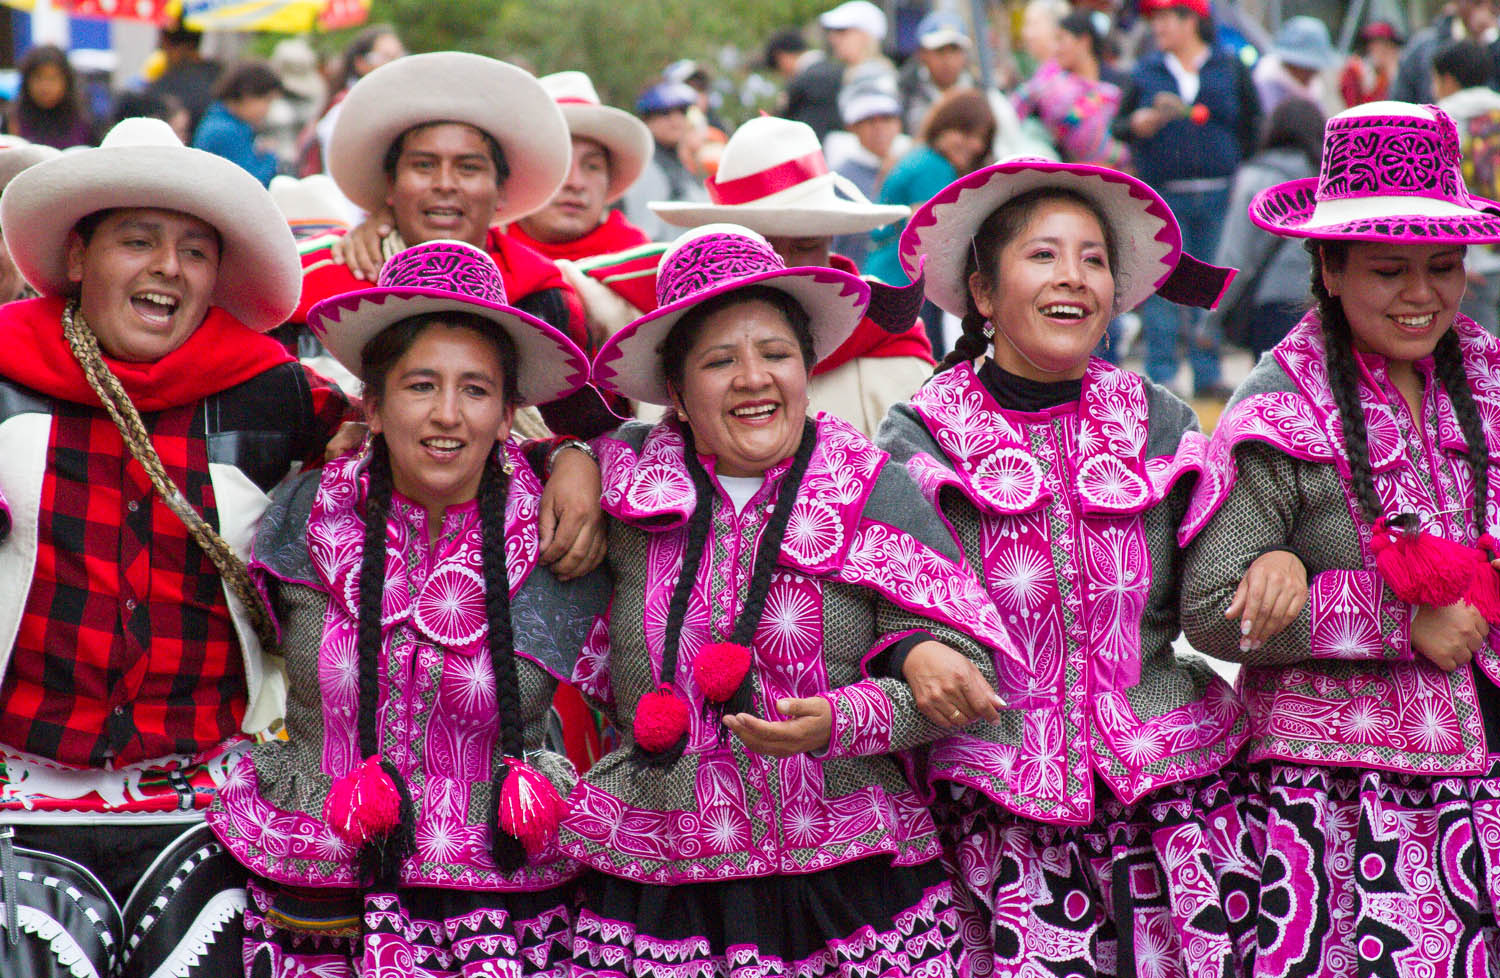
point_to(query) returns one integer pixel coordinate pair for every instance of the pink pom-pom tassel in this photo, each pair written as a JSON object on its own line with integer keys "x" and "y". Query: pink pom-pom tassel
{"x": 719, "y": 668}
{"x": 1421, "y": 568}
{"x": 530, "y": 806}
{"x": 363, "y": 804}
{"x": 661, "y": 719}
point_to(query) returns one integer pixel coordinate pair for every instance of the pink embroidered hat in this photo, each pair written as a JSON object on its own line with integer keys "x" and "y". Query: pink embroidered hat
{"x": 1390, "y": 173}
{"x": 449, "y": 276}
{"x": 710, "y": 261}
{"x": 1148, "y": 241}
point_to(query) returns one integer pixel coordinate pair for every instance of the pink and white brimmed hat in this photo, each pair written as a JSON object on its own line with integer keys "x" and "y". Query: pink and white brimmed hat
{"x": 449, "y": 276}
{"x": 1390, "y": 173}
{"x": 626, "y": 137}
{"x": 1148, "y": 241}
{"x": 710, "y": 261}
{"x": 774, "y": 179}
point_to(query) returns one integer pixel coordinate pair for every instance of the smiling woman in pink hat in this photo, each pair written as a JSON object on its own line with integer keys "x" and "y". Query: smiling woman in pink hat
{"x": 754, "y": 820}
{"x": 1341, "y": 551}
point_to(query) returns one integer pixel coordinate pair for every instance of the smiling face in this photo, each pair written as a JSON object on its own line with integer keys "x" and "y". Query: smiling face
{"x": 145, "y": 278}
{"x": 445, "y": 185}
{"x": 579, "y": 206}
{"x": 1052, "y": 294}
{"x": 442, "y": 408}
{"x": 744, "y": 388}
{"x": 1399, "y": 299}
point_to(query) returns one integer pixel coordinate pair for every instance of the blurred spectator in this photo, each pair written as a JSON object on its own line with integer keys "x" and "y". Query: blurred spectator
{"x": 372, "y": 47}
{"x": 941, "y": 65}
{"x": 1271, "y": 291}
{"x": 1069, "y": 97}
{"x": 1463, "y": 19}
{"x": 812, "y": 81}
{"x": 1461, "y": 77}
{"x": 866, "y": 154}
{"x": 150, "y": 105}
{"x": 1039, "y": 25}
{"x": 1294, "y": 67}
{"x": 49, "y": 107}
{"x": 695, "y": 76}
{"x": 242, "y": 99}
{"x": 1190, "y": 116}
{"x": 188, "y": 76}
{"x": 1371, "y": 70}
{"x": 664, "y": 108}
{"x": 16, "y": 154}
{"x": 855, "y": 31}
{"x": 304, "y": 92}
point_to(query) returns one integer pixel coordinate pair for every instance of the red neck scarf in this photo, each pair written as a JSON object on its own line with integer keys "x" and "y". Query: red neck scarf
{"x": 869, "y": 340}
{"x": 615, "y": 234}
{"x": 219, "y": 354}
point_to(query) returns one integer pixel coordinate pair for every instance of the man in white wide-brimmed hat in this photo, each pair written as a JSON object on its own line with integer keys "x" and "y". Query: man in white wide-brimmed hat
{"x": 774, "y": 180}
{"x": 144, "y": 418}
{"x": 16, "y": 154}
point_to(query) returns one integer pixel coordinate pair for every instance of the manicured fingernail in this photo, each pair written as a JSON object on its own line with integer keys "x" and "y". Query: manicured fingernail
{"x": 1244, "y": 645}
{"x": 1245, "y": 626}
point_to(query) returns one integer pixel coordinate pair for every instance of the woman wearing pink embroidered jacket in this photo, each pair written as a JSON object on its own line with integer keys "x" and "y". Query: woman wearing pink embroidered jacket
{"x": 1333, "y": 553}
{"x": 407, "y": 824}
{"x": 1092, "y": 835}
{"x": 753, "y": 821}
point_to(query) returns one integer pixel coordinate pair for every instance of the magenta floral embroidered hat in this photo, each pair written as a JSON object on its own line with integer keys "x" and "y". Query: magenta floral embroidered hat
{"x": 1390, "y": 173}
{"x": 710, "y": 261}
{"x": 449, "y": 276}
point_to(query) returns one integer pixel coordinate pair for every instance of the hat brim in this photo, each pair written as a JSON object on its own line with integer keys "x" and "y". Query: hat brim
{"x": 629, "y": 363}
{"x": 626, "y": 137}
{"x": 797, "y": 220}
{"x": 451, "y": 86}
{"x": 259, "y": 278}
{"x": 550, "y": 365}
{"x": 1148, "y": 240}
{"x": 1289, "y": 210}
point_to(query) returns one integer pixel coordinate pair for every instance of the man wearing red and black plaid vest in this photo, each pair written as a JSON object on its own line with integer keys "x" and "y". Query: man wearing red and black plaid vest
{"x": 144, "y": 420}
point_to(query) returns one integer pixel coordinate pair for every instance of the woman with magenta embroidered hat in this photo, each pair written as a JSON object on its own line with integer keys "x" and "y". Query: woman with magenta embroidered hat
{"x": 409, "y": 818}
{"x": 1092, "y": 833}
{"x": 753, "y": 821}
{"x": 1339, "y": 549}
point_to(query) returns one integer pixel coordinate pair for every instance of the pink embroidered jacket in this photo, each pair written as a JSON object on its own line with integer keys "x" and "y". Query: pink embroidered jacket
{"x": 864, "y": 563}
{"x": 438, "y": 723}
{"x": 1070, "y": 516}
{"x": 1341, "y": 685}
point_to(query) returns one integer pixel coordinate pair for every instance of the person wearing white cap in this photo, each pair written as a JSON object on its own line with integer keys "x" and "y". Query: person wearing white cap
{"x": 774, "y": 180}
{"x": 855, "y": 31}
{"x": 144, "y": 418}
{"x": 1297, "y": 66}
{"x": 941, "y": 65}
{"x": 866, "y": 152}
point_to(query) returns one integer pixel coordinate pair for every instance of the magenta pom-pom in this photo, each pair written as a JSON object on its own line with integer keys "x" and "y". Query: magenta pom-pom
{"x": 363, "y": 804}
{"x": 530, "y": 806}
{"x": 1421, "y": 568}
{"x": 661, "y": 719}
{"x": 719, "y": 668}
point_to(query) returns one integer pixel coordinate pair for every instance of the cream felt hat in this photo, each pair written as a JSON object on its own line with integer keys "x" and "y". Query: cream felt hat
{"x": 16, "y": 154}
{"x": 141, "y": 163}
{"x": 626, "y": 137}
{"x": 451, "y": 86}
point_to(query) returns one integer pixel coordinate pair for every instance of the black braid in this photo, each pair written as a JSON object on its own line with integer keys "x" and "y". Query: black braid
{"x": 507, "y": 850}
{"x": 970, "y": 344}
{"x": 1343, "y": 375}
{"x": 1449, "y": 364}
{"x": 380, "y": 859}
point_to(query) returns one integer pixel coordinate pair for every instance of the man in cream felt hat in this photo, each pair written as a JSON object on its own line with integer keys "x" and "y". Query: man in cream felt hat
{"x": 144, "y": 418}
{"x": 774, "y": 180}
{"x": 16, "y": 154}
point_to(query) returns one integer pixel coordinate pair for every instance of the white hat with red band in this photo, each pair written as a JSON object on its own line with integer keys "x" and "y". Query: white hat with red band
{"x": 626, "y": 137}
{"x": 773, "y": 179}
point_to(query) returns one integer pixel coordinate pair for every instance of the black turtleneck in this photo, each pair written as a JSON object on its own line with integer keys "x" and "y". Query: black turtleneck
{"x": 1014, "y": 393}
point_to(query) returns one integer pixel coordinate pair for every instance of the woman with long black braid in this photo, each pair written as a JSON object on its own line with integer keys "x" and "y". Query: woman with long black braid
{"x": 754, "y": 820}
{"x": 409, "y": 820}
{"x": 1341, "y": 551}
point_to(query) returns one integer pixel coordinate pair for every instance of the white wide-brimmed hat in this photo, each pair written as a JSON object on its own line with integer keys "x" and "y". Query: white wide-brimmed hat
{"x": 1147, "y": 238}
{"x": 451, "y": 86}
{"x": 141, "y": 163}
{"x": 16, "y": 154}
{"x": 710, "y": 261}
{"x": 311, "y": 205}
{"x": 626, "y": 137}
{"x": 450, "y": 276}
{"x": 774, "y": 179}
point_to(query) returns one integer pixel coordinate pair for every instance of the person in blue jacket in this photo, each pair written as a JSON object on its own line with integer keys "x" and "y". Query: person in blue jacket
{"x": 242, "y": 99}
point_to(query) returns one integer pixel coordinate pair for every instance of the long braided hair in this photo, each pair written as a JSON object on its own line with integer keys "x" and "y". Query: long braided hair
{"x": 1002, "y": 227}
{"x": 1343, "y": 382}
{"x": 376, "y": 361}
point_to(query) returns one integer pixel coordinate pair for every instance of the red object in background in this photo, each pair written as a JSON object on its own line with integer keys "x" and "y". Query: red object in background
{"x": 338, "y": 14}
{"x": 587, "y": 736}
{"x": 152, "y": 11}
{"x": 1199, "y": 114}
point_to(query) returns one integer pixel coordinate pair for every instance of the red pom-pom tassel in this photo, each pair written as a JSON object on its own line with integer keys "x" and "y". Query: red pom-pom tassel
{"x": 530, "y": 806}
{"x": 363, "y": 804}
{"x": 1421, "y": 568}
{"x": 719, "y": 668}
{"x": 661, "y": 719}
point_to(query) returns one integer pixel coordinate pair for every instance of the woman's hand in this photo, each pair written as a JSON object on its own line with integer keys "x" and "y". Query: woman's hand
{"x": 360, "y": 248}
{"x": 348, "y": 438}
{"x": 1449, "y": 636}
{"x": 949, "y": 689}
{"x": 807, "y": 726}
{"x": 1270, "y": 597}
{"x": 571, "y": 524}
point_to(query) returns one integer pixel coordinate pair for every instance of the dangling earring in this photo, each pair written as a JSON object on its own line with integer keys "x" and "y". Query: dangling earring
{"x": 507, "y": 466}
{"x": 989, "y": 330}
